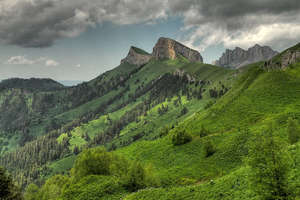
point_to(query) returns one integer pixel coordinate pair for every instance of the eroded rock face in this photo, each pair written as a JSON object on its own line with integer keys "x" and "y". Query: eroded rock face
{"x": 134, "y": 57}
{"x": 239, "y": 57}
{"x": 290, "y": 57}
{"x": 167, "y": 48}
{"x": 287, "y": 58}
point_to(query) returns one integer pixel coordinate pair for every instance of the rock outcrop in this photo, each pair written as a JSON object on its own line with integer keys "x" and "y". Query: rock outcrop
{"x": 287, "y": 58}
{"x": 239, "y": 57}
{"x": 167, "y": 48}
{"x": 137, "y": 57}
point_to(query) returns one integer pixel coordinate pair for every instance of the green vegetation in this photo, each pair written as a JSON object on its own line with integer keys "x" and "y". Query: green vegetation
{"x": 293, "y": 131}
{"x": 8, "y": 191}
{"x": 270, "y": 164}
{"x": 96, "y": 174}
{"x": 170, "y": 129}
{"x": 209, "y": 149}
{"x": 181, "y": 137}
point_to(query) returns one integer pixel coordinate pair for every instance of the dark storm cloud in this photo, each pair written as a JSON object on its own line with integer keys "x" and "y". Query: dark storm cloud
{"x": 240, "y": 22}
{"x": 39, "y": 23}
{"x": 233, "y": 13}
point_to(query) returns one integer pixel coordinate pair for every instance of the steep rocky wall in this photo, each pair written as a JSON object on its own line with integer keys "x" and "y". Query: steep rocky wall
{"x": 287, "y": 58}
{"x": 239, "y": 57}
{"x": 171, "y": 49}
{"x": 136, "y": 58}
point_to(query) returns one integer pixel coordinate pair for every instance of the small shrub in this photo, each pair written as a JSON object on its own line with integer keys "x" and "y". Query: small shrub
{"x": 164, "y": 131}
{"x": 293, "y": 131}
{"x": 136, "y": 177}
{"x": 181, "y": 137}
{"x": 209, "y": 149}
{"x": 184, "y": 111}
{"x": 203, "y": 132}
{"x": 209, "y": 104}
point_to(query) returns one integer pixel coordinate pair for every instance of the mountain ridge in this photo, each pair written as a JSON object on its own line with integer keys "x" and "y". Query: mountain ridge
{"x": 165, "y": 48}
{"x": 41, "y": 84}
{"x": 239, "y": 57}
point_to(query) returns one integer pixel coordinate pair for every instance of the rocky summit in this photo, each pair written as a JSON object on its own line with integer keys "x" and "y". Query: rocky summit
{"x": 287, "y": 58}
{"x": 137, "y": 56}
{"x": 171, "y": 49}
{"x": 239, "y": 57}
{"x": 165, "y": 48}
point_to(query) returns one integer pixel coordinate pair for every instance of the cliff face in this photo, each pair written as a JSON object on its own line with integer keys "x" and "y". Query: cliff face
{"x": 165, "y": 48}
{"x": 239, "y": 57}
{"x": 287, "y": 58}
{"x": 137, "y": 57}
{"x": 171, "y": 49}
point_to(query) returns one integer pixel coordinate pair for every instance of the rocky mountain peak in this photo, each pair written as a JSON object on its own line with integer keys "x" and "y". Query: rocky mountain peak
{"x": 137, "y": 56}
{"x": 165, "y": 48}
{"x": 287, "y": 58}
{"x": 171, "y": 49}
{"x": 239, "y": 57}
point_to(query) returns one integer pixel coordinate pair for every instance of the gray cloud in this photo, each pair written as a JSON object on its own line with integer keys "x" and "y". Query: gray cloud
{"x": 23, "y": 60}
{"x": 240, "y": 22}
{"x": 40, "y": 23}
{"x": 232, "y": 13}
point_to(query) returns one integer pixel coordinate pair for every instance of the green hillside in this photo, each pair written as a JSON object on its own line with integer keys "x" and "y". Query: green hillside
{"x": 170, "y": 129}
{"x": 145, "y": 99}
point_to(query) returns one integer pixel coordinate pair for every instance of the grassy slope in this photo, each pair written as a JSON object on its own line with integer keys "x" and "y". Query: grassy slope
{"x": 151, "y": 123}
{"x": 256, "y": 99}
{"x": 13, "y": 95}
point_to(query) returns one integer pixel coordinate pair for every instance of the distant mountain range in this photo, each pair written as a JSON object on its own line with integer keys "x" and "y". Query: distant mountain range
{"x": 239, "y": 57}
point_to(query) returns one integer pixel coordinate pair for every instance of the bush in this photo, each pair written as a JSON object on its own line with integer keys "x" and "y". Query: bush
{"x": 209, "y": 149}
{"x": 8, "y": 191}
{"x": 97, "y": 174}
{"x": 293, "y": 131}
{"x": 136, "y": 177}
{"x": 164, "y": 131}
{"x": 140, "y": 177}
{"x": 203, "y": 132}
{"x": 270, "y": 164}
{"x": 94, "y": 187}
{"x": 94, "y": 161}
{"x": 32, "y": 192}
{"x": 51, "y": 190}
{"x": 181, "y": 137}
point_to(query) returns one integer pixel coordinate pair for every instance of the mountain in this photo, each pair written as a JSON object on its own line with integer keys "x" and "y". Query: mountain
{"x": 167, "y": 48}
{"x": 170, "y": 128}
{"x": 283, "y": 60}
{"x": 31, "y": 84}
{"x": 239, "y": 57}
{"x": 123, "y": 105}
{"x": 137, "y": 56}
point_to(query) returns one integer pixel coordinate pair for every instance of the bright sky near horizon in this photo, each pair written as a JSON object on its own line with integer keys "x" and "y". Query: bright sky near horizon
{"x": 78, "y": 40}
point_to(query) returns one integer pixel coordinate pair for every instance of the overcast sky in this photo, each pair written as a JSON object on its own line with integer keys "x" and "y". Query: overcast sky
{"x": 78, "y": 40}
